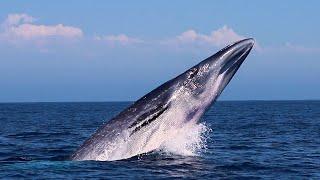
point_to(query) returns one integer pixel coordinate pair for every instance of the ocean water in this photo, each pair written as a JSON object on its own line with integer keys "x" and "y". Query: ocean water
{"x": 246, "y": 139}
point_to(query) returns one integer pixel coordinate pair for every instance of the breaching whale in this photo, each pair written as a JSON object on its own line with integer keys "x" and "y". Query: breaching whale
{"x": 150, "y": 121}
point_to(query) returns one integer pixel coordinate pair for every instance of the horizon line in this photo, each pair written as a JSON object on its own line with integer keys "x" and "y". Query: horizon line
{"x": 123, "y": 101}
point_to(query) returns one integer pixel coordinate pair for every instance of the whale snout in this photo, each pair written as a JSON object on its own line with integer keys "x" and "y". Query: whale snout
{"x": 233, "y": 56}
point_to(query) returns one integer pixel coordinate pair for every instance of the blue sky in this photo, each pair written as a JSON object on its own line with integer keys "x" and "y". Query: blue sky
{"x": 119, "y": 50}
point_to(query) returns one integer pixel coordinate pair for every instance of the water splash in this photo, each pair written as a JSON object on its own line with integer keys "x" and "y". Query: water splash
{"x": 188, "y": 140}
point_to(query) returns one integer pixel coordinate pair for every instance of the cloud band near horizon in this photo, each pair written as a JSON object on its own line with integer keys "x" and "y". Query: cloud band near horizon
{"x": 17, "y": 28}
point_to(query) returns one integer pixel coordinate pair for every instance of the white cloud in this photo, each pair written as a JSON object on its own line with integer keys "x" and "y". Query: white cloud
{"x": 219, "y": 37}
{"x": 22, "y": 27}
{"x": 30, "y": 31}
{"x": 301, "y": 49}
{"x": 15, "y": 19}
{"x": 118, "y": 39}
{"x": 290, "y": 48}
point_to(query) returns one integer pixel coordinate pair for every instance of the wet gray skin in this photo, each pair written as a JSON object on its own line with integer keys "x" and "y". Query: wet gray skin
{"x": 195, "y": 89}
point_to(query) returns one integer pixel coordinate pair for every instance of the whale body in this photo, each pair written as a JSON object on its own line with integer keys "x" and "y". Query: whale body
{"x": 179, "y": 102}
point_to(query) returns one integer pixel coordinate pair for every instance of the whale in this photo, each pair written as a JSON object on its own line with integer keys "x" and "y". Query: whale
{"x": 154, "y": 118}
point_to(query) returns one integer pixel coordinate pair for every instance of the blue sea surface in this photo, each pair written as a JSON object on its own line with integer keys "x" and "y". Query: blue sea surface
{"x": 250, "y": 139}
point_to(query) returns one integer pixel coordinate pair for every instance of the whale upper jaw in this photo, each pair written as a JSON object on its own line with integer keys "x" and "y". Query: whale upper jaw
{"x": 232, "y": 58}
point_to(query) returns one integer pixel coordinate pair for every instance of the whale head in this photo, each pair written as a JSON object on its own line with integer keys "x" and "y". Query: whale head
{"x": 202, "y": 84}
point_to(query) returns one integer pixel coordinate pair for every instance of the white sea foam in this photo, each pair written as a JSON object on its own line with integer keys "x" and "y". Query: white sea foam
{"x": 187, "y": 141}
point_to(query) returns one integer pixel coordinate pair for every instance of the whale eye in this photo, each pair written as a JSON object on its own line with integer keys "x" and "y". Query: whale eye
{"x": 193, "y": 72}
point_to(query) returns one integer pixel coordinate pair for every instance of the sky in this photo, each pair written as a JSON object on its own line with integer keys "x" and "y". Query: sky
{"x": 53, "y": 51}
